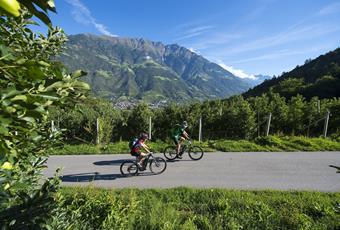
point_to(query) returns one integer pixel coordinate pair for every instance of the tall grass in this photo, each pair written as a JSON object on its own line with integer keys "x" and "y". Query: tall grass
{"x": 277, "y": 144}
{"x": 185, "y": 208}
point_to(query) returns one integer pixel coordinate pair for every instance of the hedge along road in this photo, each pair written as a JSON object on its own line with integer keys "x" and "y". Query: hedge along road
{"x": 250, "y": 170}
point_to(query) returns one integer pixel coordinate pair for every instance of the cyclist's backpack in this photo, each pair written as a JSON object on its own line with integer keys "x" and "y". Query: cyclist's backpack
{"x": 132, "y": 143}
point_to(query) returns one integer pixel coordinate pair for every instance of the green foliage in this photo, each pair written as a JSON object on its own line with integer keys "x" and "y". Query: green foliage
{"x": 185, "y": 208}
{"x": 298, "y": 143}
{"x": 290, "y": 86}
{"x": 234, "y": 118}
{"x": 83, "y": 120}
{"x": 239, "y": 146}
{"x": 12, "y": 7}
{"x": 102, "y": 211}
{"x": 45, "y": 5}
{"x": 30, "y": 83}
{"x": 138, "y": 120}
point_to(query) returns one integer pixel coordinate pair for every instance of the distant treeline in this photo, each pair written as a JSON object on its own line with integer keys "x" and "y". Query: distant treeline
{"x": 233, "y": 118}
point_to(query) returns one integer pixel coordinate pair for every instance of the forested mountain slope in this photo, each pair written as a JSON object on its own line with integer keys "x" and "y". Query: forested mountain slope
{"x": 319, "y": 77}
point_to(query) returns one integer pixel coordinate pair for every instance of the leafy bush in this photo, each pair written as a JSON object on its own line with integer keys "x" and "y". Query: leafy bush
{"x": 30, "y": 84}
{"x": 233, "y": 118}
{"x": 238, "y": 146}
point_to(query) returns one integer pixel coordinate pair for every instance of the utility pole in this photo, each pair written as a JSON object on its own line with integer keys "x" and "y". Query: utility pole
{"x": 268, "y": 123}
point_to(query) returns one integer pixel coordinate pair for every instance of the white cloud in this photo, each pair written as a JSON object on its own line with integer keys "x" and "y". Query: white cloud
{"x": 237, "y": 72}
{"x": 194, "y": 31}
{"x": 282, "y": 54}
{"x": 330, "y": 9}
{"x": 82, "y": 14}
{"x": 217, "y": 39}
{"x": 291, "y": 35}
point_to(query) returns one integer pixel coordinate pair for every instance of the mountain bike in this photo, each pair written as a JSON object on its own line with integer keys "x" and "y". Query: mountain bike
{"x": 157, "y": 165}
{"x": 195, "y": 152}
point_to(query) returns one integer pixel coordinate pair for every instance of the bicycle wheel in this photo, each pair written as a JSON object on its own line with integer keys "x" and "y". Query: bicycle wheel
{"x": 129, "y": 168}
{"x": 195, "y": 153}
{"x": 170, "y": 153}
{"x": 157, "y": 165}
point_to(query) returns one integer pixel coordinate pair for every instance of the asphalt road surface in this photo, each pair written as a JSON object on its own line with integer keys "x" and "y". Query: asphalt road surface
{"x": 249, "y": 171}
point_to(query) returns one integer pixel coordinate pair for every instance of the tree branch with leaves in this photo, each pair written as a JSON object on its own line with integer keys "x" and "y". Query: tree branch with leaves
{"x": 31, "y": 82}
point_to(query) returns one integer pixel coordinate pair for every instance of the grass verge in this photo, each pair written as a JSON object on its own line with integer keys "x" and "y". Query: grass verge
{"x": 185, "y": 208}
{"x": 261, "y": 144}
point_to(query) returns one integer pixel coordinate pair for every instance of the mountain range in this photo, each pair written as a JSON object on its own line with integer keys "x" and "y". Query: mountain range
{"x": 125, "y": 68}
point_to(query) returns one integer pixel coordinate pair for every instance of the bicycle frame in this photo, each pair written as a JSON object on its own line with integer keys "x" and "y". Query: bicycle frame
{"x": 186, "y": 144}
{"x": 146, "y": 159}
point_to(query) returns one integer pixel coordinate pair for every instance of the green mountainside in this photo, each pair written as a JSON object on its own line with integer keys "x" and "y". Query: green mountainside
{"x": 124, "y": 69}
{"x": 319, "y": 77}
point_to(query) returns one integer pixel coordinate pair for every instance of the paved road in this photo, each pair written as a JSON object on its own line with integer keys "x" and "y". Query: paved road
{"x": 260, "y": 170}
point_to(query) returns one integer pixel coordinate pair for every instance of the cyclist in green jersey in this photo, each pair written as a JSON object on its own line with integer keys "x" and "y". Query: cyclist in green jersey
{"x": 178, "y": 135}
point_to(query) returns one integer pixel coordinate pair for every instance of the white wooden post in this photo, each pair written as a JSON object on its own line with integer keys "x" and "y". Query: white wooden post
{"x": 97, "y": 131}
{"x": 325, "y": 127}
{"x": 200, "y": 130}
{"x": 53, "y": 129}
{"x": 150, "y": 128}
{"x": 58, "y": 122}
{"x": 268, "y": 123}
{"x": 258, "y": 124}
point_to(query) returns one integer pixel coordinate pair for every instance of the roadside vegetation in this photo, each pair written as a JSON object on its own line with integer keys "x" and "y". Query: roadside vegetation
{"x": 234, "y": 118}
{"x": 260, "y": 144}
{"x": 30, "y": 83}
{"x": 185, "y": 208}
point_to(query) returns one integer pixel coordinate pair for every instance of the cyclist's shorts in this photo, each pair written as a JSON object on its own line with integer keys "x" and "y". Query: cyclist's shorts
{"x": 175, "y": 139}
{"x": 135, "y": 153}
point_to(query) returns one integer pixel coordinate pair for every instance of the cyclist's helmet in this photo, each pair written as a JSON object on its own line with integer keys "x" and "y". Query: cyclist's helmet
{"x": 184, "y": 124}
{"x": 143, "y": 136}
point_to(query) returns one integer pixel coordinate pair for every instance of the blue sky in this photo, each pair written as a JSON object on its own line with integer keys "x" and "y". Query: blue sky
{"x": 245, "y": 36}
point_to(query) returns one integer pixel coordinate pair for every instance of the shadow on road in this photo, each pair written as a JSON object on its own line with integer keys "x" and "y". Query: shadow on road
{"x": 176, "y": 160}
{"x": 88, "y": 177}
{"x": 113, "y": 162}
{"x": 336, "y": 167}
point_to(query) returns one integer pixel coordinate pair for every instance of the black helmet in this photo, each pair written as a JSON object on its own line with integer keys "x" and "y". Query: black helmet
{"x": 144, "y": 136}
{"x": 184, "y": 124}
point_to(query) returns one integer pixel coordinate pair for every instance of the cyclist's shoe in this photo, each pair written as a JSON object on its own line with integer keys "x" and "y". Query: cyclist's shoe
{"x": 140, "y": 166}
{"x": 179, "y": 156}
